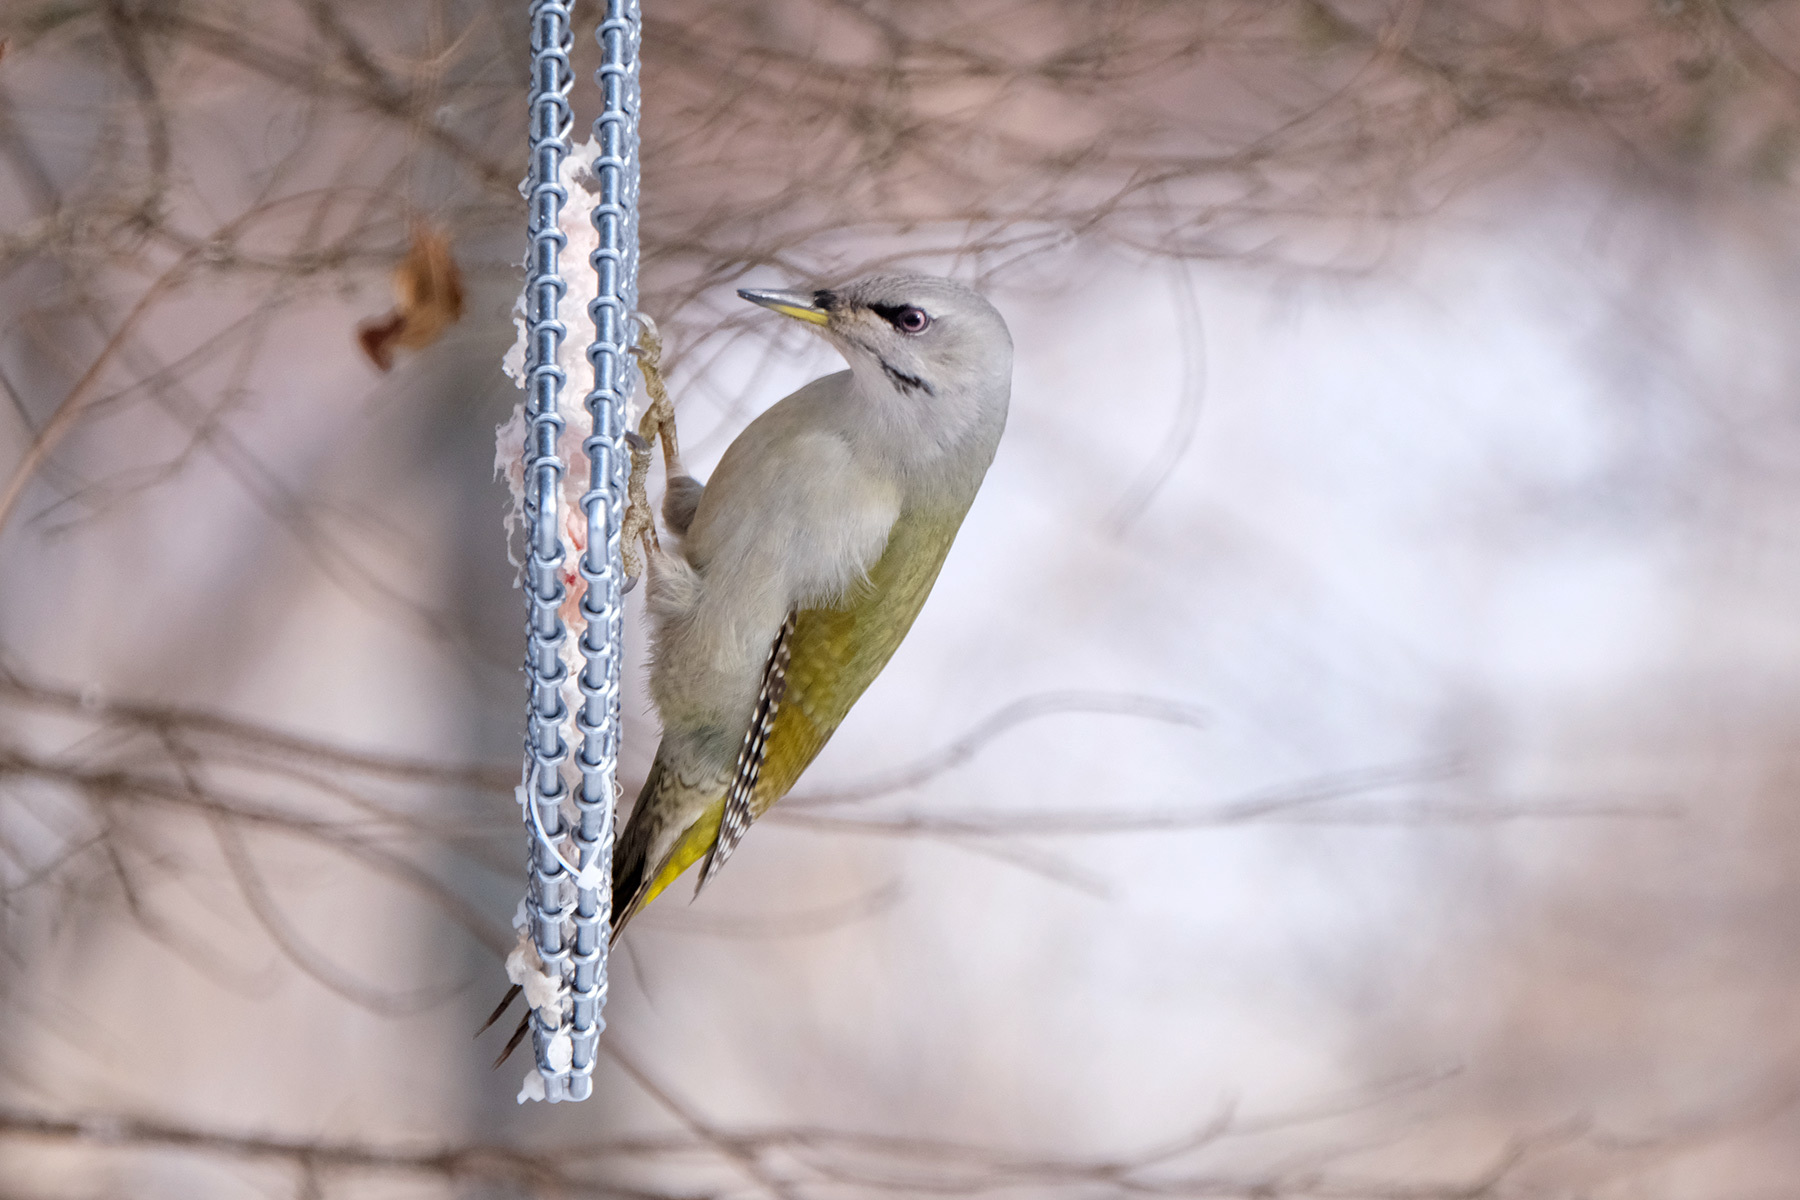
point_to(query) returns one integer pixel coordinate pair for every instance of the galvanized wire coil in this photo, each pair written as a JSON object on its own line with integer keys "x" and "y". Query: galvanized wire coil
{"x": 614, "y": 261}
{"x": 568, "y": 899}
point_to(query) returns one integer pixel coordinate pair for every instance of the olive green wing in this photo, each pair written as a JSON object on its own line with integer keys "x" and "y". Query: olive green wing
{"x": 832, "y": 656}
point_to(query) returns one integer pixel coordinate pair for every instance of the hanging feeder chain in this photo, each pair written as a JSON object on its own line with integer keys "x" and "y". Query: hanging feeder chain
{"x": 615, "y": 262}
{"x": 548, "y": 902}
{"x": 568, "y": 902}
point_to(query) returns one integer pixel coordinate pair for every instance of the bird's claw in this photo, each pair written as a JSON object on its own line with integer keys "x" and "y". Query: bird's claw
{"x": 639, "y": 525}
{"x": 638, "y": 532}
{"x": 658, "y": 420}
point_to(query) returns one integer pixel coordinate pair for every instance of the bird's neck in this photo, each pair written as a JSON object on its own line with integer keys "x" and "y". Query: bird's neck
{"x": 927, "y": 439}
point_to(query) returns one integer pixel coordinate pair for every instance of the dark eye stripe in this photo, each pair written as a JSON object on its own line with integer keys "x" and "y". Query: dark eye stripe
{"x": 891, "y": 313}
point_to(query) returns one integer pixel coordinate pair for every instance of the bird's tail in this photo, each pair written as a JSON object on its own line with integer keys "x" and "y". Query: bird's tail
{"x": 631, "y": 854}
{"x": 631, "y": 886}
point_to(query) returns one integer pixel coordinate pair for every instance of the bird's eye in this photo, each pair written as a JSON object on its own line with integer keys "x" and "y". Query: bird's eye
{"x": 912, "y": 320}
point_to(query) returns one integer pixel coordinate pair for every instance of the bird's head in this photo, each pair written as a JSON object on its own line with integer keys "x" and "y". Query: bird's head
{"x": 929, "y": 353}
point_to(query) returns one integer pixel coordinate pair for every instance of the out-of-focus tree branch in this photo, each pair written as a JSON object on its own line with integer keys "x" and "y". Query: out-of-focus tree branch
{"x": 183, "y": 178}
{"x": 850, "y": 1162}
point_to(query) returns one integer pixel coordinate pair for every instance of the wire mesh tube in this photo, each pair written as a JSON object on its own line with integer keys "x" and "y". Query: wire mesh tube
{"x": 568, "y": 794}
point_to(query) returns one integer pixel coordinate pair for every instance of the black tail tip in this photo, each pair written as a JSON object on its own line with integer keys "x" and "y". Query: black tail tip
{"x": 512, "y": 993}
{"x": 512, "y": 1043}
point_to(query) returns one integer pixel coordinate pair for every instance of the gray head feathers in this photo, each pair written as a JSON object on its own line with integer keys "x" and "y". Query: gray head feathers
{"x": 931, "y": 359}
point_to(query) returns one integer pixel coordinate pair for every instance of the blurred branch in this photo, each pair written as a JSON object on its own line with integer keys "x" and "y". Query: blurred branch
{"x": 148, "y": 147}
{"x": 1289, "y": 803}
{"x": 170, "y": 720}
{"x": 964, "y": 748}
{"x": 358, "y": 841}
{"x": 521, "y": 1166}
{"x": 72, "y": 407}
{"x": 856, "y": 1164}
{"x": 367, "y": 90}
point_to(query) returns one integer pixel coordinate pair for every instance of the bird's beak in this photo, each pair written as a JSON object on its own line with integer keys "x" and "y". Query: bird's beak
{"x": 799, "y": 305}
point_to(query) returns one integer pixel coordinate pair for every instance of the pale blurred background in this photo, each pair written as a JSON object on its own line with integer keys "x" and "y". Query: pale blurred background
{"x": 1351, "y": 750}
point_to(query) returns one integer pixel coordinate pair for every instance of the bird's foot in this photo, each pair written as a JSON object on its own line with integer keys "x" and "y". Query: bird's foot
{"x": 638, "y": 535}
{"x": 639, "y": 526}
{"x": 658, "y": 420}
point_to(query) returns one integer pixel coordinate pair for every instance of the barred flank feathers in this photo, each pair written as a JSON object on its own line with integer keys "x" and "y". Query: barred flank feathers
{"x": 736, "y": 820}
